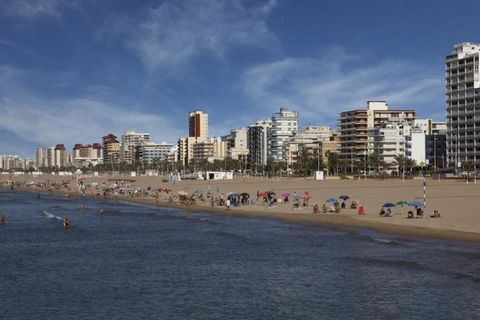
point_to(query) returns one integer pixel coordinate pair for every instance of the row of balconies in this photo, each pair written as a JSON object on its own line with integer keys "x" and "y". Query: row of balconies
{"x": 460, "y": 95}
{"x": 460, "y": 79}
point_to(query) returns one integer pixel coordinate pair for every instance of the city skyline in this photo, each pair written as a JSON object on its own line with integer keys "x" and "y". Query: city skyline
{"x": 72, "y": 71}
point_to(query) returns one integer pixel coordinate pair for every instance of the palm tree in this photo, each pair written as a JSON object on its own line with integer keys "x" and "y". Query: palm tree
{"x": 375, "y": 160}
{"x": 410, "y": 163}
{"x": 468, "y": 166}
{"x": 400, "y": 162}
{"x": 333, "y": 162}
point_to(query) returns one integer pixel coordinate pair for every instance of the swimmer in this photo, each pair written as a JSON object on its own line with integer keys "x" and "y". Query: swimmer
{"x": 66, "y": 223}
{"x": 101, "y": 210}
{"x": 82, "y": 206}
{"x": 3, "y": 219}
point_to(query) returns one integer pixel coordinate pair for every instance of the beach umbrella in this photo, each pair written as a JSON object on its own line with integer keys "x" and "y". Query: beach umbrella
{"x": 244, "y": 194}
{"x": 388, "y": 205}
{"x": 344, "y": 197}
{"x": 332, "y": 199}
{"x": 198, "y": 191}
{"x": 286, "y": 194}
{"x": 416, "y": 204}
{"x": 182, "y": 193}
{"x": 402, "y": 203}
{"x": 232, "y": 194}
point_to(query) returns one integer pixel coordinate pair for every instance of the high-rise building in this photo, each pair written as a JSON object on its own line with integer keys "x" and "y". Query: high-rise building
{"x": 198, "y": 124}
{"x": 11, "y": 162}
{"x": 111, "y": 149}
{"x": 197, "y": 133}
{"x": 41, "y": 158}
{"x": 60, "y": 156}
{"x": 284, "y": 124}
{"x": 355, "y": 124}
{"x": 258, "y": 142}
{"x": 51, "y": 157}
{"x": 131, "y": 140}
{"x": 86, "y": 154}
{"x": 237, "y": 147}
{"x": 463, "y": 103}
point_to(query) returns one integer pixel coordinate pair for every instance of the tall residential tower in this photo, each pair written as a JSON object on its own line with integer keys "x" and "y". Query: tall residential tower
{"x": 463, "y": 104}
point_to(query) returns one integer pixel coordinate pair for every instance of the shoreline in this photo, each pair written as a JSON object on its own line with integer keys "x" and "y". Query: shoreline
{"x": 340, "y": 222}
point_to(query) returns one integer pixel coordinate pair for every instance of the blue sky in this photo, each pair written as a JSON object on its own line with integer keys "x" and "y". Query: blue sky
{"x": 72, "y": 70}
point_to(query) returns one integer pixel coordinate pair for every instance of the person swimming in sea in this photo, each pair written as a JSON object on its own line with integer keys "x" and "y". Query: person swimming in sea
{"x": 3, "y": 219}
{"x": 66, "y": 223}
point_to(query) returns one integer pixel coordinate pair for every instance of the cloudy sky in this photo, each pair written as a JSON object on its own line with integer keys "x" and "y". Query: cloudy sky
{"x": 74, "y": 70}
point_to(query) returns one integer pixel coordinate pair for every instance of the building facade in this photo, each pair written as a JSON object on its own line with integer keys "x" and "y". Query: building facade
{"x": 354, "y": 126}
{"x": 155, "y": 152}
{"x": 284, "y": 124}
{"x": 198, "y": 124}
{"x": 237, "y": 147}
{"x": 110, "y": 149}
{"x": 463, "y": 104}
{"x": 40, "y": 158}
{"x": 130, "y": 142}
{"x": 258, "y": 143}
{"x": 84, "y": 155}
{"x": 307, "y": 141}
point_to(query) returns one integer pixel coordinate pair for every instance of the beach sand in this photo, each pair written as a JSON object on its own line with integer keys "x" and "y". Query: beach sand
{"x": 457, "y": 201}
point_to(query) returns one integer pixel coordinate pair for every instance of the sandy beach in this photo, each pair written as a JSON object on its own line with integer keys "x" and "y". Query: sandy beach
{"x": 457, "y": 201}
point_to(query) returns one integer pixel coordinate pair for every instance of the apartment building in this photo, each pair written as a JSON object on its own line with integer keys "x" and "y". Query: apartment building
{"x": 130, "y": 142}
{"x": 354, "y": 126}
{"x": 284, "y": 124}
{"x": 110, "y": 149}
{"x": 463, "y": 104}
{"x": 258, "y": 143}
{"x": 84, "y": 155}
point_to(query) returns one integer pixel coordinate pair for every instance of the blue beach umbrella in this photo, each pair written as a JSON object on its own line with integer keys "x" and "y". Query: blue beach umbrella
{"x": 416, "y": 204}
{"x": 388, "y": 205}
{"x": 401, "y": 203}
{"x": 344, "y": 197}
{"x": 333, "y": 200}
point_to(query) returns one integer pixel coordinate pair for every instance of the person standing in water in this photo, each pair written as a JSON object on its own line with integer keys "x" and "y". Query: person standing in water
{"x": 3, "y": 219}
{"x": 66, "y": 223}
{"x": 101, "y": 211}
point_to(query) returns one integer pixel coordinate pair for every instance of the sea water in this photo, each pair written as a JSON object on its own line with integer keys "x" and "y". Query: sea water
{"x": 141, "y": 262}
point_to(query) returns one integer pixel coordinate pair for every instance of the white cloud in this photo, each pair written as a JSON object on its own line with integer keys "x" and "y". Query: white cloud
{"x": 322, "y": 87}
{"x": 41, "y": 121}
{"x": 36, "y": 8}
{"x": 177, "y": 31}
